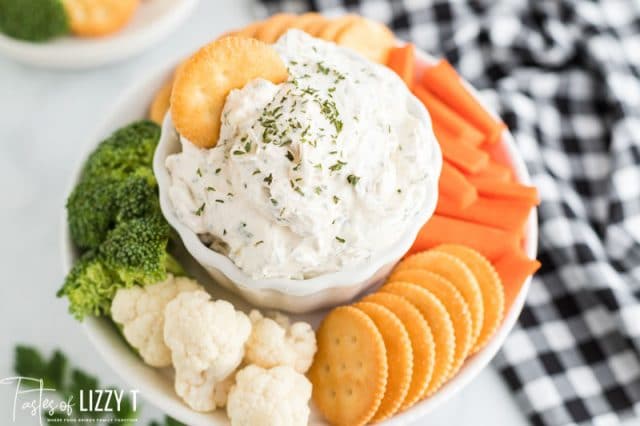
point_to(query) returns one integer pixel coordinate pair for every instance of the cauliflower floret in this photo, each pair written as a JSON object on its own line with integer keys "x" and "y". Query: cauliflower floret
{"x": 275, "y": 342}
{"x": 269, "y": 397}
{"x": 206, "y": 340}
{"x": 203, "y": 392}
{"x": 140, "y": 312}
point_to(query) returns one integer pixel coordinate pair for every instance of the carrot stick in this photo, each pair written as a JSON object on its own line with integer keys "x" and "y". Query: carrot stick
{"x": 498, "y": 153}
{"x": 454, "y": 186}
{"x": 495, "y": 171}
{"x": 514, "y": 268}
{"x": 491, "y": 242}
{"x": 443, "y": 81}
{"x": 511, "y": 190}
{"x": 402, "y": 61}
{"x": 464, "y": 156}
{"x": 510, "y": 215}
{"x": 448, "y": 119}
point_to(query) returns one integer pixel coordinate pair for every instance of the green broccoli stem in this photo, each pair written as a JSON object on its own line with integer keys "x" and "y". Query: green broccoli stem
{"x": 173, "y": 266}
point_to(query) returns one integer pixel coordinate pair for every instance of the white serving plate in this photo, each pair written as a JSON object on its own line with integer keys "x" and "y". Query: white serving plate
{"x": 156, "y": 385}
{"x": 154, "y": 20}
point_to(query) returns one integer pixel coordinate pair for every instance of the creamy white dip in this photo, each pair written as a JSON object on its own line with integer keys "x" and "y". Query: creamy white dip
{"x": 311, "y": 175}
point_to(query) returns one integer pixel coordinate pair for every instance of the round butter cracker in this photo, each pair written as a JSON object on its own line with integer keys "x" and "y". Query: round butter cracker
{"x": 306, "y": 20}
{"x": 314, "y": 26}
{"x": 371, "y": 39}
{"x": 441, "y": 326}
{"x": 95, "y": 18}
{"x": 349, "y": 370}
{"x": 400, "y": 356}
{"x": 160, "y": 103}
{"x": 203, "y": 82}
{"x": 333, "y": 27}
{"x": 454, "y": 304}
{"x": 456, "y": 272}
{"x": 274, "y": 27}
{"x": 490, "y": 286}
{"x": 422, "y": 344}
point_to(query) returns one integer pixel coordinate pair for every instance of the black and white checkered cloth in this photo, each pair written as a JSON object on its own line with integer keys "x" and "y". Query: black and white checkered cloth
{"x": 565, "y": 77}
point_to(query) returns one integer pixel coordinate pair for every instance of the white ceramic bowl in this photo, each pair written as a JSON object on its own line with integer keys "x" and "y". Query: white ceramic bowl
{"x": 156, "y": 386}
{"x": 297, "y": 296}
{"x": 154, "y": 20}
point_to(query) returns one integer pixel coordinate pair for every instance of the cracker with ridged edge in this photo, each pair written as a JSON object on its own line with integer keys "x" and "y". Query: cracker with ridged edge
{"x": 314, "y": 27}
{"x": 274, "y": 27}
{"x": 371, "y": 39}
{"x": 160, "y": 104}
{"x": 349, "y": 370}
{"x": 400, "y": 356}
{"x": 440, "y": 324}
{"x": 452, "y": 301}
{"x": 422, "y": 345}
{"x": 228, "y": 34}
{"x": 490, "y": 286}
{"x": 305, "y": 20}
{"x": 206, "y": 78}
{"x": 333, "y": 27}
{"x": 249, "y": 31}
{"x": 455, "y": 271}
{"x": 91, "y": 18}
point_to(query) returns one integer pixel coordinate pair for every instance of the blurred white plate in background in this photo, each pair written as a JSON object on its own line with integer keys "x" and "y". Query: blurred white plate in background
{"x": 154, "y": 20}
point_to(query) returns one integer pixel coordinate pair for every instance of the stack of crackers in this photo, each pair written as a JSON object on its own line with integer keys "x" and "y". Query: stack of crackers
{"x": 399, "y": 345}
{"x": 371, "y": 39}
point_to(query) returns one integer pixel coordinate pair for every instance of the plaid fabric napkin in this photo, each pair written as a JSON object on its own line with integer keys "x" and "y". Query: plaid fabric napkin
{"x": 565, "y": 77}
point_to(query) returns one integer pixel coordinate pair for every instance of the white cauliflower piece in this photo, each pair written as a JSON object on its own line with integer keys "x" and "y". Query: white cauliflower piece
{"x": 269, "y": 397}
{"x": 275, "y": 342}
{"x": 140, "y": 313}
{"x": 206, "y": 340}
{"x": 203, "y": 392}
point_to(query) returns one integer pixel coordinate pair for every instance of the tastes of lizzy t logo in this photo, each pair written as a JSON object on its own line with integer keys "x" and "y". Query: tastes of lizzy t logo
{"x": 87, "y": 405}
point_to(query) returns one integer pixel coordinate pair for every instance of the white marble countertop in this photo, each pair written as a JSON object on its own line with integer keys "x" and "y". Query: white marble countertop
{"x": 46, "y": 117}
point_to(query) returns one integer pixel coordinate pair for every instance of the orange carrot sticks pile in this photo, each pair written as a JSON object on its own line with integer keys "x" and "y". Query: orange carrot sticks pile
{"x": 495, "y": 171}
{"x": 443, "y": 81}
{"x": 491, "y": 242}
{"x": 479, "y": 203}
{"x": 402, "y": 61}
{"x": 509, "y": 190}
{"x": 463, "y": 156}
{"x": 444, "y": 118}
{"x": 509, "y": 215}
{"x": 454, "y": 186}
{"x": 514, "y": 268}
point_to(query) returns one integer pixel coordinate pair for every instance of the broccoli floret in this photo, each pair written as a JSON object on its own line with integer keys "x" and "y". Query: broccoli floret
{"x": 90, "y": 287}
{"x": 136, "y": 251}
{"x": 125, "y": 151}
{"x": 114, "y": 212}
{"x": 116, "y": 184}
{"x": 33, "y": 20}
{"x": 92, "y": 209}
{"x": 137, "y": 196}
{"x": 97, "y": 204}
